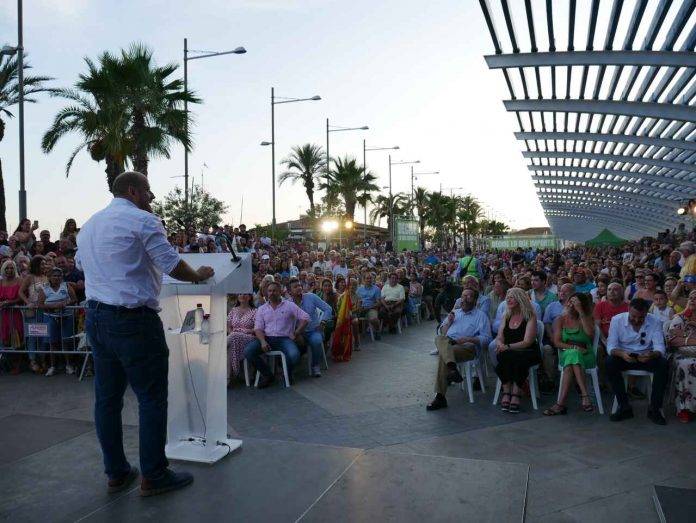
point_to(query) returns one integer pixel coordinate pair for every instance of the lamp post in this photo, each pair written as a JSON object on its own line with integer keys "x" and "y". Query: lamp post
{"x": 335, "y": 129}
{"x": 391, "y": 210}
{"x": 19, "y": 51}
{"x": 276, "y": 100}
{"x": 365, "y": 149}
{"x": 187, "y": 58}
{"x": 451, "y": 190}
{"x": 413, "y": 177}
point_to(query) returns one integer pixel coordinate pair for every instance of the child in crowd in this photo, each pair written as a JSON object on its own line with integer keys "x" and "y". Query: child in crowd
{"x": 660, "y": 308}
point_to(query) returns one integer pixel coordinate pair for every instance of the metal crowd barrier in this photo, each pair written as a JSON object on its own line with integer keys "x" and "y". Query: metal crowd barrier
{"x": 42, "y": 330}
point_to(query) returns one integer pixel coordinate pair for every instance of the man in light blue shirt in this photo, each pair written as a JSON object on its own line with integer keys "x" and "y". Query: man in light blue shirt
{"x": 370, "y": 295}
{"x": 636, "y": 342}
{"x": 312, "y": 335}
{"x": 466, "y": 331}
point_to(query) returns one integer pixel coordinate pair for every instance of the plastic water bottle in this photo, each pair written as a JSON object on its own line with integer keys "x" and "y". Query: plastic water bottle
{"x": 205, "y": 330}
{"x": 198, "y": 317}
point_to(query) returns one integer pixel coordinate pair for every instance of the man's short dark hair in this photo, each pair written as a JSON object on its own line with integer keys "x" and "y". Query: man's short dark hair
{"x": 539, "y": 274}
{"x": 293, "y": 280}
{"x": 272, "y": 283}
{"x": 640, "y": 304}
{"x": 128, "y": 179}
{"x": 476, "y": 293}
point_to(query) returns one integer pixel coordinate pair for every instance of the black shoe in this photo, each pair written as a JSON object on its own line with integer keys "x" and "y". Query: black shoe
{"x": 122, "y": 483}
{"x": 440, "y": 402}
{"x": 656, "y": 417}
{"x": 622, "y": 414}
{"x": 454, "y": 376}
{"x": 476, "y": 384}
{"x": 265, "y": 381}
{"x": 169, "y": 481}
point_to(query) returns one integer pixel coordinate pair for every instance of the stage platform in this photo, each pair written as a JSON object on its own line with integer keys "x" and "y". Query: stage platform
{"x": 355, "y": 445}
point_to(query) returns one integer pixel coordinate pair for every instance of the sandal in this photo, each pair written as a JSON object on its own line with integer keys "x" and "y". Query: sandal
{"x": 555, "y": 410}
{"x": 514, "y": 407}
{"x": 504, "y": 405}
{"x": 586, "y": 407}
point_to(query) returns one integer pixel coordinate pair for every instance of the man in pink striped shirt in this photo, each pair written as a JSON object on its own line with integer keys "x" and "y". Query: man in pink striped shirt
{"x": 278, "y": 323}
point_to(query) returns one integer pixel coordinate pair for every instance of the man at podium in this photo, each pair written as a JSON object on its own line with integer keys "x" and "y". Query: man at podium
{"x": 123, "y": 251}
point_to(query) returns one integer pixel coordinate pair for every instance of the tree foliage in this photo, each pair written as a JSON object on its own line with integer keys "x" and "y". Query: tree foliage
{"x": 203, "y": 210}
{"x": 304, "y": 164}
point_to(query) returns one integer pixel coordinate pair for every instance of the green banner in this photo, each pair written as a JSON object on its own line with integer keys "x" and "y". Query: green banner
{"x": 406, "y": 235}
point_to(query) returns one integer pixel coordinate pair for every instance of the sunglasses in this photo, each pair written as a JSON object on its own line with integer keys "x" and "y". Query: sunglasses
{"x": 642, "y": 337}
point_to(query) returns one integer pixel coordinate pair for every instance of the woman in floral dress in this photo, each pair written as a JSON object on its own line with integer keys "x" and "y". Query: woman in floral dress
{"x": 240, "y": 328}
{"x": 682, "y": 341}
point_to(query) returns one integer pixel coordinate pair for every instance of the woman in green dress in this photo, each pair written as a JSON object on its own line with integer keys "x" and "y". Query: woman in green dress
{"x": 572, "y": 336}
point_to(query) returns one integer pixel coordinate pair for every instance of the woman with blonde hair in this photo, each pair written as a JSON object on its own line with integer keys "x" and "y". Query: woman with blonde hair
{"x": 260, "y": 297}
{"x": 11, "y": 324}
{"x": 516, "y": 347}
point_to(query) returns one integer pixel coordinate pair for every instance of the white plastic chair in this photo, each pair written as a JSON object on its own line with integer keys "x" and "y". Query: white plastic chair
{"x": 533, "y": 385}
{"x": 640, "y": 373}
{"x": 467, "y": 368}
{"x": 592, "y": 372}
{"x": 309, "y": 350}
{"x": 272, "y": 355}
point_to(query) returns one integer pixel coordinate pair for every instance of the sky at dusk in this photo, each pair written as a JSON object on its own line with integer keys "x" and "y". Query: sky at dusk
{"x": 412, "y": 71}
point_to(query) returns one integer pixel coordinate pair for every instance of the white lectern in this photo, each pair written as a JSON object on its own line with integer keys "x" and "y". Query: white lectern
{"x": 197, "y": 426}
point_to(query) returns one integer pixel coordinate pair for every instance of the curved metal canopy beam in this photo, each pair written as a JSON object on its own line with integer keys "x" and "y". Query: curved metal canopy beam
{"x": 654, "y": 58}
{"x": 616, "y": 223}
{"x": 652, "y": 162}
{"x": 568, "y": 228}
{"x": 579, "y": 190}
{"x": 608, "y": 214}
{"x": 616, "y": 173}
{"x": 592, "y": 183}
{"x": 608, "y": 137}
{"x": 683, "y": 113}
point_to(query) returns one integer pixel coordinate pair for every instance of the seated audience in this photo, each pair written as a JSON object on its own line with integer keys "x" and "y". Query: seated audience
{"x": 240, "y": 332}
{"x": 636, "y": 342}
{"x": 392, "y": 302}
{"x": 573, "y": 334}
{"x": 277, "y": 325}
{"x": 312, "y": 338}
{"x": 466, "y": 331}
{"x": 370, "y": 296}
{"x": 682, "y": 343}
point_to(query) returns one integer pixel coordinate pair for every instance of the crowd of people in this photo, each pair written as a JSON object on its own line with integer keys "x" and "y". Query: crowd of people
{"x": 639, "y": 298}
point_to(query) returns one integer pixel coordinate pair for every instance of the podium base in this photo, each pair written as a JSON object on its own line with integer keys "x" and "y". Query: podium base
{"x": 201, "y": 452}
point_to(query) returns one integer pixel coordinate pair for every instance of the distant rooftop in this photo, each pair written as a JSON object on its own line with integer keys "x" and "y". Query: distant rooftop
{"x": 532, "y": 231}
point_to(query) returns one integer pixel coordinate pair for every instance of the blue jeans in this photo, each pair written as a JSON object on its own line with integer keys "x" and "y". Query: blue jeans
{"x": 129, "y": 348}
{"x": 315, "y": 341}
{"x": 253, "y": 353}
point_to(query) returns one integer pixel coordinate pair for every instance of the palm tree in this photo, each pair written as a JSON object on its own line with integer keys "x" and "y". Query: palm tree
{"x": 349, "y": 180}
{"x": 155, "y": 103}
{"x": 421, "y": 203}
{"x": 469, "y": 212}
{"x": 304, "y": 164}
{"x": 442, "y": 216}
{"x": 381, "y": 206}
{"x": 9, "y": 96}
{"x": 492, "y": 228}
{"x": 126, "y": 110}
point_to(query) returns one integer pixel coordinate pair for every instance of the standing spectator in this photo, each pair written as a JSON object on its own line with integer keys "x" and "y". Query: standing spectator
{"x": 240, "y": 332}
{"x": 636, "y": 341}
{"x": 29, "y": 292}
{"x": 69, "y": 231}
{"x": 392, "y": 302}
{"x": 53, "y": 298}
{"x": 48, "y": 245}
{"x": 278, "y": 323}
{"x": 24, "y": 234}
{"x": 11, "y": 325}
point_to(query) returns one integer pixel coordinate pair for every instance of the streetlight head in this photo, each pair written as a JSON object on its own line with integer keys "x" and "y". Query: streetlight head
{"x": 396, "y": 147}
{"x": 315, "y": 97}
{"x": 417, "y": 161}
{"x": 349, "y": 225}
{"x": 364, "y": 128}
{"x": 239, "y": 50}
{"x": 329, "y": 226}
{"x": 266, "y": 143}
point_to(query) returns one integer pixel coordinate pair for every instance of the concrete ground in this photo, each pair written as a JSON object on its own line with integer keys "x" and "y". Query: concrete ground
{"x": 354, "y": 445}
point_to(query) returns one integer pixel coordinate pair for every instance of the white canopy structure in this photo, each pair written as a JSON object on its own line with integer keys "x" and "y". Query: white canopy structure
{"x": 604, "y": 93}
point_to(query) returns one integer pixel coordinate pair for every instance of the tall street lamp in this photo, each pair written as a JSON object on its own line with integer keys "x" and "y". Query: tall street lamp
{"x": 451, "y": 190}
{"x": 19, "y": 51}
{"x": 391, "y": 203}
{"x": 276, "y": 101}
{"x": 187, "y": 58}
{"x": 335, "y": 129}
{"x": 414, "y": 177}
{"x": 365, "y": 149}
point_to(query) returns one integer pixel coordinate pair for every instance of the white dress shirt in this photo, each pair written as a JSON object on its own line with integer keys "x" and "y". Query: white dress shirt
{"x": 622, "y": 335}
{"x": 123, "y": 252}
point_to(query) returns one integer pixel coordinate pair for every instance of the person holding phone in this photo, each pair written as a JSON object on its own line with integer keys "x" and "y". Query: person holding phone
{"x": 24, "y": 234}
{"x": 636, "y": 342}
